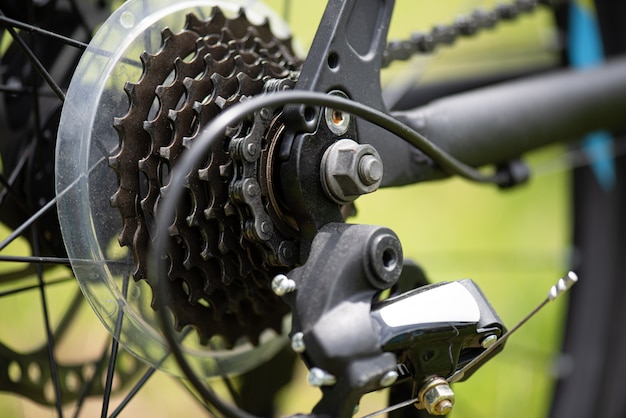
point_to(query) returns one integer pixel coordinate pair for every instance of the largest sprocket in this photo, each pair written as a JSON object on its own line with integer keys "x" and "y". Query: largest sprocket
{"x": 220, "y": 268}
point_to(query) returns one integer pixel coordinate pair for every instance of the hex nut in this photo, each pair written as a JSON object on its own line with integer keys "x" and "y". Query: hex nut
{"x": 436, "y": 397}
{"x": 349, "y": 170}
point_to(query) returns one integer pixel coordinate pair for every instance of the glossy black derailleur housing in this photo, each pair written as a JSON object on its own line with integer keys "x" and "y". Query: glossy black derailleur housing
{"x": 353, "y": 342}
{"x": 437, "y": 329}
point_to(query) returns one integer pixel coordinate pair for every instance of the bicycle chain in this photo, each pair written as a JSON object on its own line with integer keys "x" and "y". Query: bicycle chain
{"x": 464, "y": 26}
{"x": 224, "y": 246}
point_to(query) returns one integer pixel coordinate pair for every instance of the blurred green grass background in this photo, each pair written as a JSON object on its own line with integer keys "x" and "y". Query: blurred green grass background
{"x": 513, "y": 244}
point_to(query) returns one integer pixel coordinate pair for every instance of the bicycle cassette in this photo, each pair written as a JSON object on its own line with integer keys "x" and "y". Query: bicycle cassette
{"x": 155, "y": 73}
{"x": 223, "y": 250}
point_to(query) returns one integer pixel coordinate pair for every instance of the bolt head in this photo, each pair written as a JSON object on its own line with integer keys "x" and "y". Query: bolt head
{"x": 297, "y": 343}
{"x": 488, "y": 341}
{"x": 389, "y": 378}
{"x": 318, "y": 377}
{"x": 282, "y": 285}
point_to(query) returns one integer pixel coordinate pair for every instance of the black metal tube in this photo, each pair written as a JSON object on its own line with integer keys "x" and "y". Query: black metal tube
{"x": 502, "y": 122}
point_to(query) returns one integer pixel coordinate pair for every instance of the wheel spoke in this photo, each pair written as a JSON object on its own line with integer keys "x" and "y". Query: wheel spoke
{"x": 114, "y": 348}
{"x": 10, "y": 191}
{"x": 35, "y": 286}
{"x": 38, "y": 66}
{"x": 34, "y": 259}
{"x": 81, "y": 18}
{"x": 135, "y": 389}
{"x": 7, "y": 22}
{"x": 232, "y": 391}
{"x": 48, "y": 330}
{"x": 19, "y": 230}
{"x": 144, "y": 379}
{"x": 44, "y": 209}
{"x": 89, "y": 384}
{"x": 8, "y": 183}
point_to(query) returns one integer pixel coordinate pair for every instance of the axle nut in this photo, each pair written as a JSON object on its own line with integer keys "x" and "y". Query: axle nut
{"x": 349, "y": 170}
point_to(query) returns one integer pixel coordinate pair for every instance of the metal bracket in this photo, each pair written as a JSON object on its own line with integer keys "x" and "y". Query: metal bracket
{"x": 331, "y": 302}
{"x": 350, "y": 41}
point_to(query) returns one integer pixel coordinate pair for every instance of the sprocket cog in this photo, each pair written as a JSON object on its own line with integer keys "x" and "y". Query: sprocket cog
{"x": 225, "y": 242}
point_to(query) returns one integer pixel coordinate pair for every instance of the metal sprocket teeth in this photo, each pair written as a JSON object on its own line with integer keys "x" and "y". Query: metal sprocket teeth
{"x": 219, "y": 273}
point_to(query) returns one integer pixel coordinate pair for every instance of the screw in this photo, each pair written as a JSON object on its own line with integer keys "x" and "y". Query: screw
{"x": 370, "y": 170}
{"x": 297, "y": 343}
{"x": 319, "y": 377}
{"x": 282, "y": 285}
{"x": 488, "y": 341}
{"x": 389, "y": 378}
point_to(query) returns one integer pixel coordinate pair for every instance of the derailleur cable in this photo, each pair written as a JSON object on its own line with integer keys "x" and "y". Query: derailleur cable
{"x": 448, "y": 163}
{"x": 562, "y": 286}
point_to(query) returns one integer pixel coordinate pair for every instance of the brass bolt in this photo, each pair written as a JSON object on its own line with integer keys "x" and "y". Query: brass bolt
{"x": 436, "y": 396}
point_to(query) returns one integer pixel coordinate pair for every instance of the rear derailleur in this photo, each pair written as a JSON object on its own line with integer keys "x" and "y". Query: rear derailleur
{"x": 357, "y": 333}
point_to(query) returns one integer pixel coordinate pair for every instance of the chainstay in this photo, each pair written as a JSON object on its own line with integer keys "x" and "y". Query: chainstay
{"x": 464, "y": 26}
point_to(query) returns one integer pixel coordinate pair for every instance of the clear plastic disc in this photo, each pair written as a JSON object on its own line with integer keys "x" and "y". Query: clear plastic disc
{"x": 85, "y": 183}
